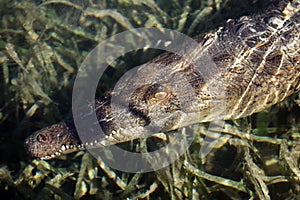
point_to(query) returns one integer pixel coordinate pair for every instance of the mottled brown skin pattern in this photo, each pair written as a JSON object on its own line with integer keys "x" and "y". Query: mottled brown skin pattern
{"x": 258, "y": 62}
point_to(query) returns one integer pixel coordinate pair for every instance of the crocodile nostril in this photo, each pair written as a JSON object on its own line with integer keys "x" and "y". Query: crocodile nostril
{"x": 43, "y": 138}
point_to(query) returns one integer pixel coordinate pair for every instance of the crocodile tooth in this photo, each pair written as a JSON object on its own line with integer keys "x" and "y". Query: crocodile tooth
{"x": 45, "y": 157}
{"x": 63, "y": 147}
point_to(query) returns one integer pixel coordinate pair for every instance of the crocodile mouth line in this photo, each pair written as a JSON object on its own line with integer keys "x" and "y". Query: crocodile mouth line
{"x": 65, "y": 149}
{"x": 70, "y": 148}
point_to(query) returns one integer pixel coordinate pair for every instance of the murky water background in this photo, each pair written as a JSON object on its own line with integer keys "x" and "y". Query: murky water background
{"x": 42, "y": 44}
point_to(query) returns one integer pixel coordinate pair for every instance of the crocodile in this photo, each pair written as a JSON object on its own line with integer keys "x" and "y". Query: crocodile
{"x": 258, "y": 65}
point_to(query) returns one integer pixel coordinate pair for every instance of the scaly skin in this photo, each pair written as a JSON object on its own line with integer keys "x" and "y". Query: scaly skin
{"x": 258, "y": 65}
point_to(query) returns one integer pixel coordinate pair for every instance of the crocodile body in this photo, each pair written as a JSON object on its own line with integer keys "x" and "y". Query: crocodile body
{"x": 258, "y": 65}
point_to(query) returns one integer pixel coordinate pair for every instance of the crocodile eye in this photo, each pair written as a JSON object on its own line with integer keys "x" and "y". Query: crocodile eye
{"x": 157, "y": 93}
{"x": 161, "y": 95}
{"x": 43, "y": 138}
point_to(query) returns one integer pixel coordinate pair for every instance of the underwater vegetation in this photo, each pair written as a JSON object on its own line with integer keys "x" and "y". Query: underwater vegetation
{"x": 43, "y": 43}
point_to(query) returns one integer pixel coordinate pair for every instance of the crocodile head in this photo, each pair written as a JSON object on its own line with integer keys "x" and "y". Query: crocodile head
{"x": 164, "y": 105}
